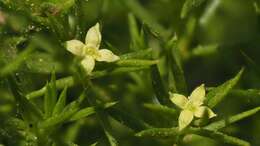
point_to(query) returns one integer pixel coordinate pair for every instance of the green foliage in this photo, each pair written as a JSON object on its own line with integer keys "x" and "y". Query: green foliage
{"x": 56, "y": 112}
{"x": 163, "y": 45}
{"x": 176, "y": 73}
{"x": 143, "y": 15}
{"x": 189, "y": 5}
{"x": 158, "y": 86}
{"x": 223, "y": 123}
{"x": 217, "y": 94}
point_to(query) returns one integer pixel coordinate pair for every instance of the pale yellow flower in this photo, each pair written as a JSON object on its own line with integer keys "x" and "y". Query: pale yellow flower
{"x": 191, "y": 106}
{"x": 90, "y": 50}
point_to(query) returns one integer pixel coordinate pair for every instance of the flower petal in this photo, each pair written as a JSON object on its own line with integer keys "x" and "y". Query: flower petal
{"x": 75, "y": 47}
{"x": 211, "y": 114}
{"x": 185, "y": 119}
{"x": 93, "y": 37}
{"x": 88, "y": 64}
{"x": 179, "y": 100}
{"x": 106, "y": 55}
{"x": 204, "y": 111}
{"x": 197, "y": 96}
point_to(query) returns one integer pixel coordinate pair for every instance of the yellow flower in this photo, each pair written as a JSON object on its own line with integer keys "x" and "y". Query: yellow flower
{"x": 191, "y": 106}
{"x": 90, "y": 50}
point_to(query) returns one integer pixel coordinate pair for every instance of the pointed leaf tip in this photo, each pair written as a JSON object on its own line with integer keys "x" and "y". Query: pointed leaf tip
{"x": 216, "y": 95}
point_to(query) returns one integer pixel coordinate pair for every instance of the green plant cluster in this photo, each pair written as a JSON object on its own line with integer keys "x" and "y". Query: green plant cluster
{"x": 47, "y": 99}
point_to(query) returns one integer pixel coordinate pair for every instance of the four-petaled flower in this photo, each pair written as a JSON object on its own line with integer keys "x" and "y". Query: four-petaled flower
{"x": 191, "y": 106}
{"x": 89, "y": 52}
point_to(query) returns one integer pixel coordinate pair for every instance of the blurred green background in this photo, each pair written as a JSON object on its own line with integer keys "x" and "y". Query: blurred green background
{"x": 215, "y": 39}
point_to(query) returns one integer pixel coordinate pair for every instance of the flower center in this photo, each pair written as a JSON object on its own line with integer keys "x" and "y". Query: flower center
{"x": 91, "y": 52}
{"x": 191, "y": 107}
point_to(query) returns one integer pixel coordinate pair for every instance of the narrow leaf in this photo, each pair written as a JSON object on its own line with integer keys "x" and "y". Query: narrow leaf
{"x": 136, "y": 62}
{"x": 118, "y": 70}
{"x": 89, "y": 111}
{"x": 60, "y": 84}
{"x": 205, "y": 50}
{"x": 225, "y": 122}
{"x": 219, "y": 136}
{"x": 178, "y": 78}
{"x": 133, "y": 28}
{"x": 61, "y": 102}
{"x": 57, "y": 119}
{"x": 53, "y": 88}
{"x": 111, "y": 139}
{"x": 73, "y": 130}
{"x": 174, "y": 132}
{"x": 141, "y": 54}
{"x": 137, "y": 40}
{"x": 159, "y": 89}
{"x": 160, "y": 109}
{"x": 50, "y": 97}
{"x": 67, "y": 112}
{"x": 47, "y": 101}
{"x": 159, "y": 133}
{"x": 216, "y": 95}
{"x": 247, "y": 95}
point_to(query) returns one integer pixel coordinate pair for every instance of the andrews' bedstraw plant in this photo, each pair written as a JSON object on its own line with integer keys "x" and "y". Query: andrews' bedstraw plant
{"x": 169, "y": 45}
{"x": 89, "y": 51}
{"x": 191, "y": 106}
{"x": 38, "y": 125}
